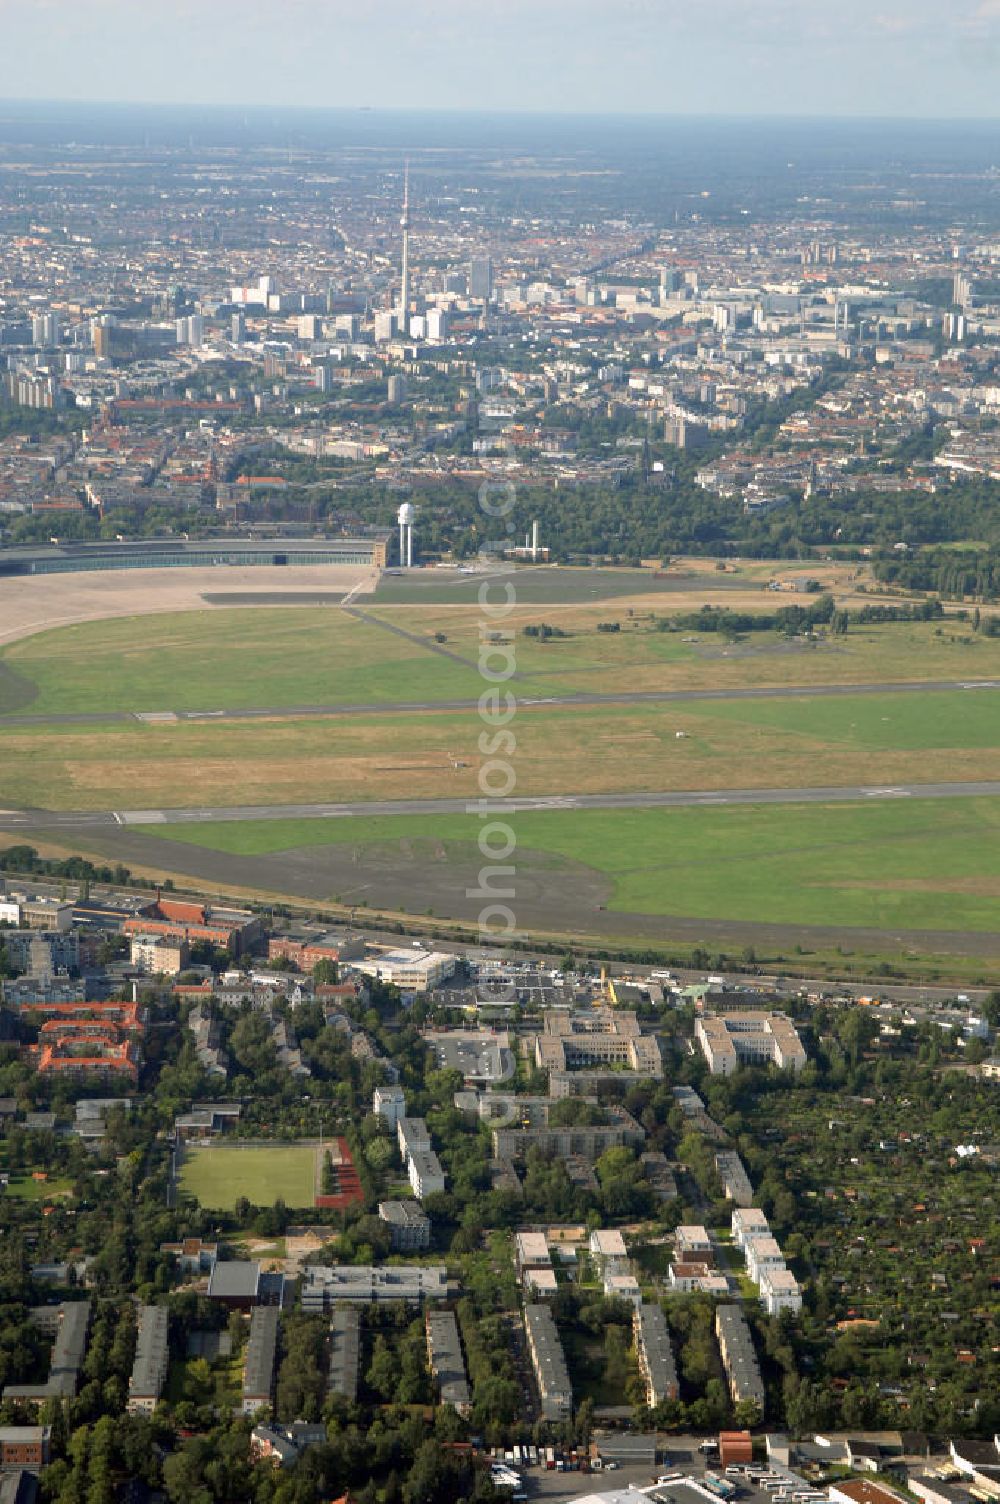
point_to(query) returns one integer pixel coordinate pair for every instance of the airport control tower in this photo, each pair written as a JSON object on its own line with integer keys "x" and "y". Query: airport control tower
{"x": 406, "y": 517}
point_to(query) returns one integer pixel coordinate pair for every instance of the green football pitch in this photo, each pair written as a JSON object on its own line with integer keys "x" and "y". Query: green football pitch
{"x": 217, "y": 1176}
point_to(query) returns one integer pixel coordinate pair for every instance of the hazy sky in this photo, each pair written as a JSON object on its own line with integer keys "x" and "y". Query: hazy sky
{"x": 845, "y": 57}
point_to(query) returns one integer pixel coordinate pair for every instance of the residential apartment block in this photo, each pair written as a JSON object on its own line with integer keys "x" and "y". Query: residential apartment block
{"x": 548, "y": 1363}
{"x": 152, "y": 1358}
{"x": 738, "y": 1356}
{"x": 445, "y": 1360}
{"x": 258, "y": 1363}
{"x": 655, "y": 1354}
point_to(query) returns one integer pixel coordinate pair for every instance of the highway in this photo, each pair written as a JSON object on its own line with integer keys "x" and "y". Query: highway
{"x": 51, "y": 820}
{"x": 524, "y": 701}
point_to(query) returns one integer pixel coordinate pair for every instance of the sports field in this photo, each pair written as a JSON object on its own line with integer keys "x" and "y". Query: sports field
{"x": 907, "y": 864}
{"x": 218, "y": 1175}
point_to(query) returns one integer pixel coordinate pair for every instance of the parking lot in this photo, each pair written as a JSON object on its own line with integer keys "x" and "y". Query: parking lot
{"x": 681, "y": 1457}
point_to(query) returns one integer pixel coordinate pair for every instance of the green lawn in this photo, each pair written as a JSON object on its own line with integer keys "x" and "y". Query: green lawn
{"x": 208, "y": 660}
{"x": 949, "y": 718}
{"x": 218, "y": 1175}
{"x": 27, "y": 1189}
{"x": 907, "y": 863}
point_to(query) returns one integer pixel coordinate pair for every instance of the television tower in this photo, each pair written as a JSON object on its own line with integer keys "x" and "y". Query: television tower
{"x": 404, "y": 224}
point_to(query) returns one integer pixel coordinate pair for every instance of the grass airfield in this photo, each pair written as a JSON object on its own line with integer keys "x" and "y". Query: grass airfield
{"x": 910, "y": 866}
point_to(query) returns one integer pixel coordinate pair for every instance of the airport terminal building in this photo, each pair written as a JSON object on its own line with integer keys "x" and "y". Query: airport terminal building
{"x": 196, "y": 553}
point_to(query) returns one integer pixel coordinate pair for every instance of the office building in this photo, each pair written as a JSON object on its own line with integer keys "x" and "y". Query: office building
{"x": 481, "y": 279}
{"x": 323, "y": 1285}
{"x": 729, "y": 1040}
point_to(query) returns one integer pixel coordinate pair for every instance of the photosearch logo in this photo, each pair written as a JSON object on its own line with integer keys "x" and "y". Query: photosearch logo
{"x": 497, "y": 741}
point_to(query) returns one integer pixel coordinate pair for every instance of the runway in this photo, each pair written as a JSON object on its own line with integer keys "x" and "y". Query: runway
{"x": 524, "y": 701}
{"x": 51, "y": 821}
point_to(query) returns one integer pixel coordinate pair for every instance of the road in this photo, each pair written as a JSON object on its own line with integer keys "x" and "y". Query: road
{"x": 50, "y": 820}
{"x": 524, "y": 701}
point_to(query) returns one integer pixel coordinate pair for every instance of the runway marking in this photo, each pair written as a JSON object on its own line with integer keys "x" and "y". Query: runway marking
{"x": 155, "y": 717}
{"x": 887, "y": 793}
{"x": 141, "y": 817}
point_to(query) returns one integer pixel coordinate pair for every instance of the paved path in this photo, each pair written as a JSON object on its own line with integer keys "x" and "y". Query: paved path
{"x": 51, "y": 820}
{"x": 526, "y": 701}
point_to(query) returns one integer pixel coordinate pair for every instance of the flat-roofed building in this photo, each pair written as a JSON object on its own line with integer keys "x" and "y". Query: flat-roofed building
{"x": 409, "y": 970}
{"x": 762, "y": 1252}
{"x": 780, "y": 1291}
{"x": 411, "y": 1134}
{"x": 622, "y": 1287}
{"x": 35, "y": 912}
{"x": 24, "y": 1446}
{"x": 548, "y": 1363}
{"x": 483, "y": 1057}
{"x": 158, "y": 955}
{"x": 656, "y": 1168}
{"x": 389, "y": 1104}
{"x": 425, "y": 1173}
{"x": 345, "y": 1346}
{"x": 694, "y": 1275}
{"x": 236, "y": 1283}
{"x": 445, "y": 1360}
{"x": 69, "y": 1325}
{"x": 864, "y": 1491}
{"x": 531, "y": 1251}
{"x": 258, "y": 1362}
{"x": 735, "y": 1181}
{"x": 729, "y": 1040}
{"x": 748, "y": 1222}
{"x": 594, "y": 1041}
{"x": 591, "y": 1141}
{"x": 738, "y": 1356}
{"x": 323, "y": 1285}
{"x": 152, "y": 1358}
{"x": 409, "y": 1226}
{"x": 540, "y": 1284}
{"x": 607, "y": 1249}
{"x": 193, "y": 1255}
{"x": 306, "y": 950}
{"x": 655, "y": 1354}
{"x": 692, "y": 1241}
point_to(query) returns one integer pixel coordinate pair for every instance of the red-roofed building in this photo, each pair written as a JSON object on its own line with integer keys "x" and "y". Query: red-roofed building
{"x": 232, "y": 930}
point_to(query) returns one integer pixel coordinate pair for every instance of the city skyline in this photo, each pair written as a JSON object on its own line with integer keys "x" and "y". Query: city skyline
{"x": 766, "y": 57}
